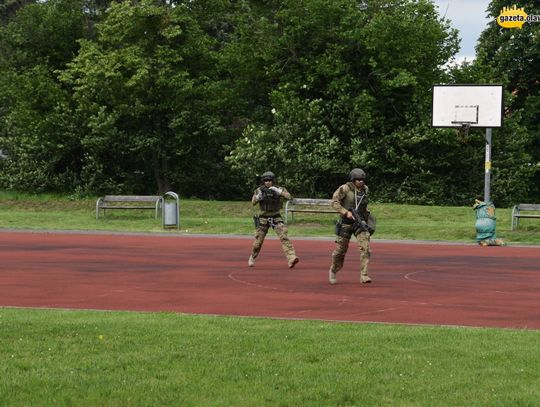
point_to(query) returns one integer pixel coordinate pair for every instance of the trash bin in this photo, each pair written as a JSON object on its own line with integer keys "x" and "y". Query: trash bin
{"x": 171, "y": 210}
{"x": 486, "y": 223}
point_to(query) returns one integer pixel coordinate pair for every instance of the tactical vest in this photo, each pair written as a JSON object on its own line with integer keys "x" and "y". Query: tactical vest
{"x": 270, "y": 205}
{"x": 353, "y": 197}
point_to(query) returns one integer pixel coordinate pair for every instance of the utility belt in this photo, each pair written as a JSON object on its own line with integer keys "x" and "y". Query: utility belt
{"x": 346, "y": 221}
{"x": 273, "y": 221}
{"x": 344, "y": 226}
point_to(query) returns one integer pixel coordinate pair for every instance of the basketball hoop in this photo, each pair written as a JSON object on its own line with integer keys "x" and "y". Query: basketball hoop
{"x": 462, "y": 131}
{"x": 466, "y": 106}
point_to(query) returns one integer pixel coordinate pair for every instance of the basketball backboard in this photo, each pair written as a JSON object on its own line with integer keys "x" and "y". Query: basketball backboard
{"x": 467, "y": 105}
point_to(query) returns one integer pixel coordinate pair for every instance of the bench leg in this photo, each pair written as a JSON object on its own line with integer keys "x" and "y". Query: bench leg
{"x": 292, "y": 217}
{"x": 287, "y": 216}
{"x": 515, "y": 218}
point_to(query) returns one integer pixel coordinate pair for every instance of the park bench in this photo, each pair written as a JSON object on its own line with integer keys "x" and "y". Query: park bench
{"x": 518, "y": 212}
{"x": 308, "y": 205}
{"x": 113, "y": 202}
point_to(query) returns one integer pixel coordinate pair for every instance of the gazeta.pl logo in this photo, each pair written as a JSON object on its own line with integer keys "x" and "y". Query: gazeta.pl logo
{"x": 514, "y": 17}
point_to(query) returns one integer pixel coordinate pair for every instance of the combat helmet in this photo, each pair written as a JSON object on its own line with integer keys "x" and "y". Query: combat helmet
{"x": 357, "y": 173}
{"x": 268, "y": 175}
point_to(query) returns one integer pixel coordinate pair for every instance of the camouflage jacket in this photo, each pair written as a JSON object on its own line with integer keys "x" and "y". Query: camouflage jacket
{"x": 347, "y": 196}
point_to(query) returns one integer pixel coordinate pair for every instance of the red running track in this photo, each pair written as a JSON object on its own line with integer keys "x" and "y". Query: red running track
{"x": 414, "y": 283}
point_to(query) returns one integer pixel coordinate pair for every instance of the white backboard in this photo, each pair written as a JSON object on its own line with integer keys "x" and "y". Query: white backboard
{"x": 474, "y": 105}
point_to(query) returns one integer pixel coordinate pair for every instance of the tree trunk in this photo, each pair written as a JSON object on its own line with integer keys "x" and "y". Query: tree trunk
{"x": 160, "y": 166}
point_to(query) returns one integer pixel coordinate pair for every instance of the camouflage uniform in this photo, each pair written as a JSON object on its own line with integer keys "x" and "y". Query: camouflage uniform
{"x": 348, "y": 196}
{"x": 269, "y": 216}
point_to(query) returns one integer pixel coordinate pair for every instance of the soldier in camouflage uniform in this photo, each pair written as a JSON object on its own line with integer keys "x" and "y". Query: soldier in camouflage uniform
{"x": 270, "y": 197}
{"x": 353, "y": 194}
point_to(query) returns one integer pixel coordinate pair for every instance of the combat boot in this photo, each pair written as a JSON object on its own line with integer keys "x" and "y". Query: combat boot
{"x": 293, "y": 262}
{"x": 364, "y": 279}
{"x": 251, "y": 261}
{"x": 332, "y": 278}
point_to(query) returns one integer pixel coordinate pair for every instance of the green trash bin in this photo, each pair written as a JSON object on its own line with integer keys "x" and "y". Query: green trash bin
{"x": 486, "y": 223}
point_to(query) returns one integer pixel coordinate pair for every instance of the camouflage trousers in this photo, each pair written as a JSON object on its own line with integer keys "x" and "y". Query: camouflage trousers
{"x": 281, "y": 230}
{"x": 342, "y": 245}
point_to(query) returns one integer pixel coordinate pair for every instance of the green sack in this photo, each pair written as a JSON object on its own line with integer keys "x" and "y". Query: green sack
{"x": 486, "y": 221}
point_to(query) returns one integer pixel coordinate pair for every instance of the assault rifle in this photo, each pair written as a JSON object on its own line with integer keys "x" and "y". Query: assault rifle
{"x": 359, "y": 222}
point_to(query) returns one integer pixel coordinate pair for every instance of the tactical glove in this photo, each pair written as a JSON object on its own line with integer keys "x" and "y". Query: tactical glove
{"x": 277, "y": 190}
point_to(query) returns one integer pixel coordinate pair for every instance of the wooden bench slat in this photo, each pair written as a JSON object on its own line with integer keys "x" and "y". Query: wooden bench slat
{"x": 130, "y": 198}
{"x": 528, "y": 207}
{"x": 310, "y": 201}
{"x": 311, "y": 210}
{"x": 127, "y": 207}
{"x": 308, "y": 205}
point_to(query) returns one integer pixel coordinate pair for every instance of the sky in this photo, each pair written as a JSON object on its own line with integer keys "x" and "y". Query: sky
{"x": 469, "y": 18}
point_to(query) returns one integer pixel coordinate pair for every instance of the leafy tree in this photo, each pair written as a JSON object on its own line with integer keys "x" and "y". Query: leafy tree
{"x": 299, "y": 145}
{"x": 37, "y": 133}
{"x": 44, "y": 33}
{"x": 201, "y": 96}
{"x": 155, "y": 95}
{"x": 36, "y": 129}
{"x": 146, "y": 92}
{"x": 353, "y": 82}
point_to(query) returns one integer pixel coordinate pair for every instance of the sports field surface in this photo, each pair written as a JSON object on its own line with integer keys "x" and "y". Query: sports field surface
{"x": 413, "y": 283}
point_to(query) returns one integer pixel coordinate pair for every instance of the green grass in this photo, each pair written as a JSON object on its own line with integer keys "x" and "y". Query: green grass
{"x": 24, "y": 211}
{"x": 85, "y": 358}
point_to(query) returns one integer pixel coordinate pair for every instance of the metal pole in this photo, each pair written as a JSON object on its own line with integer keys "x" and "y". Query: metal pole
{"x": 487, "y": 166}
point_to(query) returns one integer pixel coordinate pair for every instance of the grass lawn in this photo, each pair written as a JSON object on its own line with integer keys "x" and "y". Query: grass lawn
{"x": 91, "y": 358}
{"x": 86, "y": 358}
{"x": 416, "y": 222}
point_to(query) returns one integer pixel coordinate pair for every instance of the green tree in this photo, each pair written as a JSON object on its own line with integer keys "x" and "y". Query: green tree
{"x": 36, "y": 129}
{"x": 299, "y": 146}
{"x": 144, "y": 92}
{"x": 355, "y": 83}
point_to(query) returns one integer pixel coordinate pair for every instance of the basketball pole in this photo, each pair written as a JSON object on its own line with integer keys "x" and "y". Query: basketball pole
{"x": 487, "y": 166}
